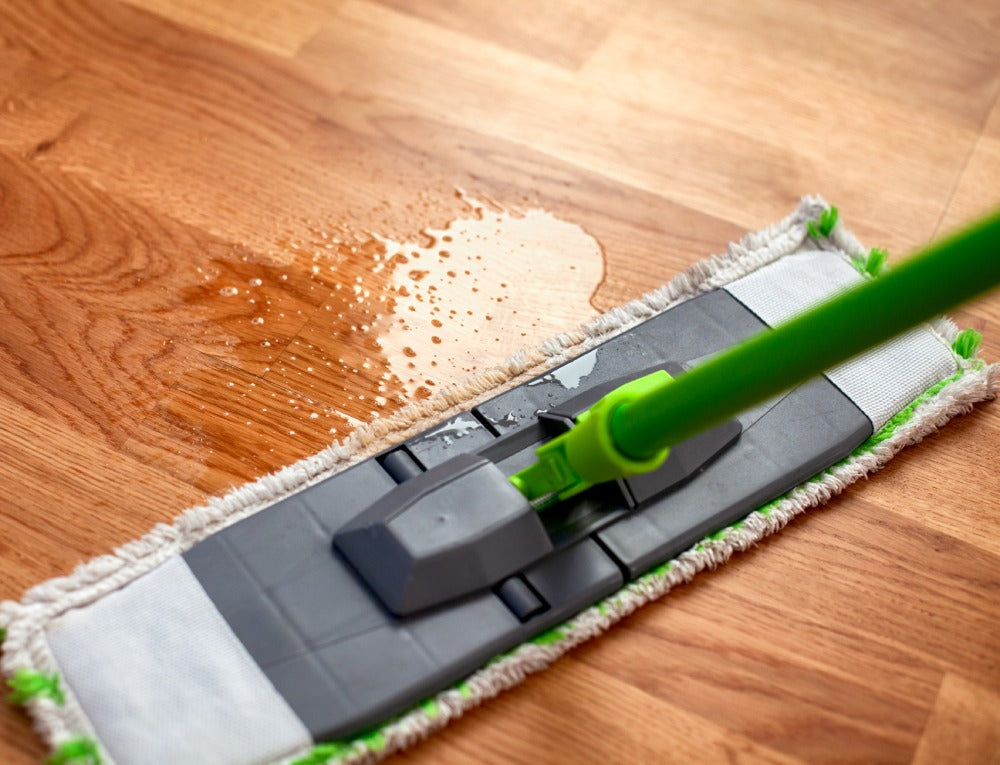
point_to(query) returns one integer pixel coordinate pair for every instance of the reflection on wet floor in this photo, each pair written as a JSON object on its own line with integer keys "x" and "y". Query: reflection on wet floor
{"x": 322, "y": 335}
{"x": 405, "y": 317}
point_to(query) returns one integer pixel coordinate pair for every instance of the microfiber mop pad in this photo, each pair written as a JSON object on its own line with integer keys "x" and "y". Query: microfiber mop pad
{"x": 147, "y": 618}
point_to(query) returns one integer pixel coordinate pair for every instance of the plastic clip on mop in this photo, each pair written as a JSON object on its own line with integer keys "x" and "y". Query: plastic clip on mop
{"x": 631, "y": 430}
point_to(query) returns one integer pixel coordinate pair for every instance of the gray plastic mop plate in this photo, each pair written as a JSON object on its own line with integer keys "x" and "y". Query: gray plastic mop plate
{"x": 344, "y": 662}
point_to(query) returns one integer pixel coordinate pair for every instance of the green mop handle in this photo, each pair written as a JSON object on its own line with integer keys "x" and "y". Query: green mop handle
{"x": 631, "y": 429}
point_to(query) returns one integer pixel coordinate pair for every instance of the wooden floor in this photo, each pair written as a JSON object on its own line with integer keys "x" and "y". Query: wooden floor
{"x": 208, "y": 220}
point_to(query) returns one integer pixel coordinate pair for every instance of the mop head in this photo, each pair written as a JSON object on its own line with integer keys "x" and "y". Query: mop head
{"x": 188, "y": 703}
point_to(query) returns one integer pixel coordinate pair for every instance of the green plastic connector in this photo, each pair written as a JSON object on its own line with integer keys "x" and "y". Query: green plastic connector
{"x": 588, "y": 454}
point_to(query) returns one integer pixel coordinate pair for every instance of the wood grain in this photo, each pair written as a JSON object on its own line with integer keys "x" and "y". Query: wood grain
{"x": 966, "y": 707}
{"x": 197, "y": 207}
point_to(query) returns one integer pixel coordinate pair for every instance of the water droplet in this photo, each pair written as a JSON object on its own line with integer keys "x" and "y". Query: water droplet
{"x": 229, "y": 291}
{"x": 257, "y": 320}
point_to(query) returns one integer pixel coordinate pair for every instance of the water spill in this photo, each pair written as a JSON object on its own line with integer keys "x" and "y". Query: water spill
{"x": 331, "y": 331}
{"x": 488, "y": 285}
{"x": 245, "y": 308}
{"x": 459, "y": 428}
{"x": 509, "y": 420}
{"x": 571, "y": 374}
{"x": 226, "y": 417}
{"x": 404, "y": 317}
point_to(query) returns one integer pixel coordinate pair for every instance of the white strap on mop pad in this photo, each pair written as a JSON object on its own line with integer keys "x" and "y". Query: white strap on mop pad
{"x": 881, "y": 381}
{"x": 171, "y": 655}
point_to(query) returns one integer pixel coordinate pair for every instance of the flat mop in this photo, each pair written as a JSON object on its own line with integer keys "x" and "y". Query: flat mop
{"x": 347, "y": 606}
